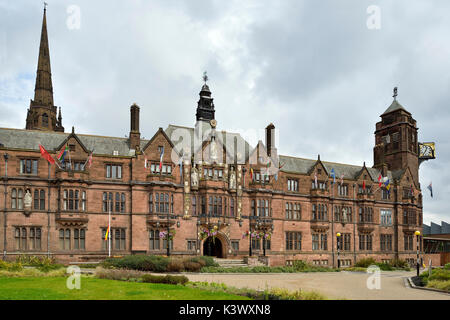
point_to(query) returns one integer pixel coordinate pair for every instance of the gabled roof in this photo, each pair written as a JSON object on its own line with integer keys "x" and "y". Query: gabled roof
{"x": 220, "y": 135}
{"x": 30, "y": 140}
{"x": 73, "y": 135}
{"x": 303, "y": 166}
{"x": 160, "y": 131}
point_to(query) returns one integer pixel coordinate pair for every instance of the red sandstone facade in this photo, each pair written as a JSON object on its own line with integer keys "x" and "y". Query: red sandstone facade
{"x": 65, "y": 214}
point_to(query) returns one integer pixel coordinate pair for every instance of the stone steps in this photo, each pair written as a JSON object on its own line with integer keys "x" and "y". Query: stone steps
{"x": 230, "y": 263}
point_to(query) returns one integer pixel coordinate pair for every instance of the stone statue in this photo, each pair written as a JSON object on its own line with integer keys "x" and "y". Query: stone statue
{"x": 232, "y": 179}
{"x": 194, "y": 177}
{"x": 213, "y": 151}
{"x": 344, "y": 214}
{"x": 27, "y": 199}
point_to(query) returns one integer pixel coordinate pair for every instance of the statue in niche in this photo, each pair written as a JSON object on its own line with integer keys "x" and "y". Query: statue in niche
{"x": 344, "y": 214}
{"x": 213, "y": 150}
{"x": 27, "y": 199}
{"x": 194, "y": 177}
{"x": 232, "y": 179}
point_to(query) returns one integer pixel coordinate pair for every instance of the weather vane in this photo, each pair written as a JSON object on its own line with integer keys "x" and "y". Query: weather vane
{"x": 45, "y": 5}
{"x": 395, "y": 93}
{"x": 205, "y": 77}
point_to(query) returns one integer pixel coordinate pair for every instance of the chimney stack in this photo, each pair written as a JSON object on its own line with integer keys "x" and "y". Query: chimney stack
{"x": 270, "y": 141}
{"x": 135, "y": 135}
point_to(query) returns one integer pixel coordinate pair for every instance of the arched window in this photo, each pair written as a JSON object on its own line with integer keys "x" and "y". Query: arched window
{"x": 45, "y": 120}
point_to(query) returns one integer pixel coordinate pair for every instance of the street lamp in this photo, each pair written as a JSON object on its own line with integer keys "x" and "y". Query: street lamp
{"x": 417, "y": 233}
{"x": 338, "y": 235}
{"x": 250, "y": 236}
{"x": 198, "y": 239}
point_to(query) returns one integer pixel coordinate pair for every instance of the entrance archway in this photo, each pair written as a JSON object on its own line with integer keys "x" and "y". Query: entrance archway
{"x": 213, "y": 248}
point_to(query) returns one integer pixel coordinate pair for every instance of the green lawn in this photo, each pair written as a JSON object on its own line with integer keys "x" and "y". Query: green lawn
{"x": 54, "y": 288}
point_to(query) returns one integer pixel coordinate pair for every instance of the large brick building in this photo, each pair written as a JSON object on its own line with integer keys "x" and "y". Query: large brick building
{"x": 189, "y": 179}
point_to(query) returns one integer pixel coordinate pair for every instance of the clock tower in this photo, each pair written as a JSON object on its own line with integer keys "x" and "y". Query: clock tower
{"x": 205, "y": 106}
{"x": 396, "y": 146}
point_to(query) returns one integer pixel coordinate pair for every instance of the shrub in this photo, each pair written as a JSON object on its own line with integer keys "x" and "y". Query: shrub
{"x": 364, "y": 263}
{"x": 209, "y": 261}
{"x": 142, "y": 263}
{"x": 385, "y": 266}
{"x": 168, "y": 279}
{"x": 447, "y": 266}
{"x": 441, "y": 285}
{"x": 192, "y": 266}
{"x": 440, "y": 274}
{"x": 120, "y": 274}
{"x": 198, "y": 260}
{"x": 399, "y": 263}
{"x": 175, "y": 266}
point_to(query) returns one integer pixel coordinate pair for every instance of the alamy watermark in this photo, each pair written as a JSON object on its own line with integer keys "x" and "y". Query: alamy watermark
{"x": 373, "y": 21}
{"x": 74, "y": 280}
{"x": 73, "y": 21}
{"x": 374, "y": 280}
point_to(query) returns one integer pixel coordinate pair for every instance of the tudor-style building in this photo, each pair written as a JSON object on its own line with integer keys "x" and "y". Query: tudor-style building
{"x": 189, "y": 179}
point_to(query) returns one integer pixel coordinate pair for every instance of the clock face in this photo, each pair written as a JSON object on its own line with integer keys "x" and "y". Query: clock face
{"x": 213, "y": 123}
{"x": 425, "y": 151}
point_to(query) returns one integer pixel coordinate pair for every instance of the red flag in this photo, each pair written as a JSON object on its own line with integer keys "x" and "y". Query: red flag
{"x": 46, "y": 155}
{"x": 380, "y": 180}
{"x": 364, "y": 184}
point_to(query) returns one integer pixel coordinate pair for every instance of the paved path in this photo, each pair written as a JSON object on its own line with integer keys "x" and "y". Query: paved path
{"x": 334, "y": 285}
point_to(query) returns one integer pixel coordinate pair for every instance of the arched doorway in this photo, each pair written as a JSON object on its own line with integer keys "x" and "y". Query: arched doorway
{"x": 213, "y": 248}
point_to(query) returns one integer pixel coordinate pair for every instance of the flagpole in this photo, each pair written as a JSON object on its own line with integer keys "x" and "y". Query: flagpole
{"x": 109, "y": 227}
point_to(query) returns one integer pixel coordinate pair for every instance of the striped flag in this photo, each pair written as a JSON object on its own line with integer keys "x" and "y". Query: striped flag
{"x": 107, "y": 232}
{"x": 63, "y": 153}
{"x": 145, "y": 162}
{"x": 46, "y": 155}
{"x": 430, "y": 187}
{"x": 161, "y": 158}
{"x": 315, "y": 179}
{"x": 89, "y": 160}
{"x": 380, "y": 180}
{"x": 342, "y": 179}
{"x": 251, "y": 174}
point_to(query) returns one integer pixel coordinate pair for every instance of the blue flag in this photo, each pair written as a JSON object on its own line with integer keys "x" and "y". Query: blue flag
{"x": 333, "y": 175}
{"x": 430, "y": 187}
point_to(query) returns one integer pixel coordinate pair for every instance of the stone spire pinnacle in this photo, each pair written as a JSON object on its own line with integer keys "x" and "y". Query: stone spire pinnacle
{"x": 43, "y": 91}
{"x": 42, "y": 112}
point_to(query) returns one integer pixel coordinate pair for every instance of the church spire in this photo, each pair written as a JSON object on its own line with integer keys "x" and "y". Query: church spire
{"x": 42, "y": 112}
{"x": 43, "y": 91}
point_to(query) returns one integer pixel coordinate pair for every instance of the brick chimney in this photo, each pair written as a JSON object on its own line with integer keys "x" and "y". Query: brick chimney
{"x": 135, "y": 135}
{"x": 270, "y": 141}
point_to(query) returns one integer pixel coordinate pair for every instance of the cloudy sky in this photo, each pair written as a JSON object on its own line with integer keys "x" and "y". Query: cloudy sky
{"x": 321, "y": 71}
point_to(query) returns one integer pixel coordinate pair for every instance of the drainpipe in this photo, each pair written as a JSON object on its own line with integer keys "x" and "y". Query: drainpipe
{"x": 131, "y": 205}
{"x": 5, "y": 156}
{"x": 396, "y": 251}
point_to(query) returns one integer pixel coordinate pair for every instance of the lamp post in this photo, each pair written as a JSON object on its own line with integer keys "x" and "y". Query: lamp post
{"x": 198, "y": 239}
{"x": 338, "y": 235}
{"x": 417, "y": 233}
{"x": 250, "y": 236}
{"x": 168, "y": 233}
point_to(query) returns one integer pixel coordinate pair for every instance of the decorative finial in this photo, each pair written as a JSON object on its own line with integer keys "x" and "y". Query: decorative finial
{"x": 205, "y": 77}
{"x": 45, "y": 5}
{"x": 395, "y": 94}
